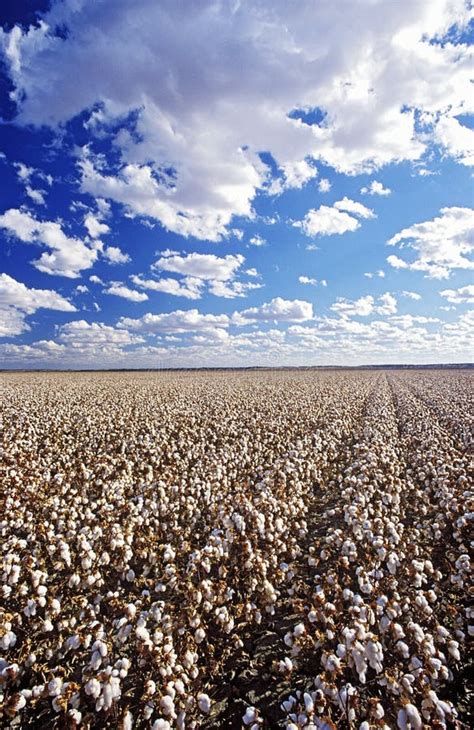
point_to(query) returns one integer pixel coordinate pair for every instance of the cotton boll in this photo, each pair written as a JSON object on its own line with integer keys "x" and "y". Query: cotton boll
{"x": 199, "y": 635}
{"x": 250, "y": 716}
{"x": 204, "y": 703}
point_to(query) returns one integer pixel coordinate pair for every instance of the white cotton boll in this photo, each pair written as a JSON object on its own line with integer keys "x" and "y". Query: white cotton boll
{"x": 76, "y": 716}
{"x": 131, "y": 610}
{"x": 331, "y": 663}
{"x": 364, "y": 725}
{"x": 403, "y": 649}
{"x": 285, "y": 665}
{"x": 250, "y": 716}
{"x": 398, "y": 631}
{"x": 127, "y": 721}
{"x": 56, "y": 704}
{"x": 73, "y": 642}
{"x": 199, "y": 635}
{"x": 288, "y": 704}
{"x": 299, "y": 630}
{"x": 402, "y": 720}
{"x": 101, "y": 647}
{"x": 93, "y": 688}
{"x": 55, "y": 686}
{"x": 167, "y": 705}
{"x": 161, "y": 724}
{"x": 378, "y": 711}
{"x": 204, "y": 703}
{"x": 414, "y": 717}
{"x": 442, "y": 632}
{"x": 20, "y": 703}
{"x": 453, "y": 649}
{"x": 142, "y": 633}
{"x": 96, "y": 661}
{"x": 308, "y": 703}
{"x": 150, "y": 687}
{"x": 8, "y": 640}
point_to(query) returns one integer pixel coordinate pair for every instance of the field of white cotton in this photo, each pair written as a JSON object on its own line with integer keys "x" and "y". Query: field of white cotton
{"x": 237, "y": 549}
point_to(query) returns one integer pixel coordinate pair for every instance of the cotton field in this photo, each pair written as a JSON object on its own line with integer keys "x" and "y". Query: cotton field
{"x": 235, "y": 549}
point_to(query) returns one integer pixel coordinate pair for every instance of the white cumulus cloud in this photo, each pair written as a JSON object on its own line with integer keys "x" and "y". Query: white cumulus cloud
{"x": 67, "y": 256}
{"x": 440, "y": 245}
{"x": 17, "y": 301}
{"x": 192, "y": 160}
{"x": 120, "y": 290}
{"x": 189, "y": 287}
{"x": 201, "y": 266}
{"x": 385, "y": 304}
{"x": 115, "y": 255}
{"x": 179, "y": 321}
{"x": 463, "y": 295}
{"x": 332, "y": 220}
{"x": 375, "y": 188}
{"x": 278, "y": 309}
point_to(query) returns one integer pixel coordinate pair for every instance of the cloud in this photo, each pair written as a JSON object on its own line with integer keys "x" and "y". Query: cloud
{"x": 278, "y": 309}
{"x": 120, "y": 290}
{"x": 364, "y": 306}
{"x": 324, "y": 340}
{"x": 17, "y": 301}
{"x": 189, "y": 150}
{"x": 387, "y": 304}
{"x": 370, "y": 274}
{"x": 352, "y": 206}
{"x": 232, "y": 289}
{"x": 324, "y": 186}
{"x": 82, "y": 334}
{"x": 115, "y": 255}
{"x": 295, "y": 175}
{"x": 201, "y": 266}
{"x": 24, "y": 172}
{"x": 188, "y": 287}
{"x": 95, "y": 279}
{"x": 95, "y": 227}
{"x": 310, "y": 281}
{"x": 456, "y": 139}
{"x": 179, "y": 321}
{"x": 37, "y": 196}
{"x": 408, "y": 320}
{"x": 257, "y": 240}
{"x": 67, "y": 257}
{"x": 361, "y": 307}
{"x": 411, "y": 295}
{"x": 200, "y": 272}
{"x": 329, "y": 221}
{"x": 464, "y": 295}
{"x": 441, "y": 245}
{"x": 375, "y": 188}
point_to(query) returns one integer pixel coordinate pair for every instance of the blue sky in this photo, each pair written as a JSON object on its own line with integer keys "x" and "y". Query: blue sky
{"x": 230, "y": 184}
